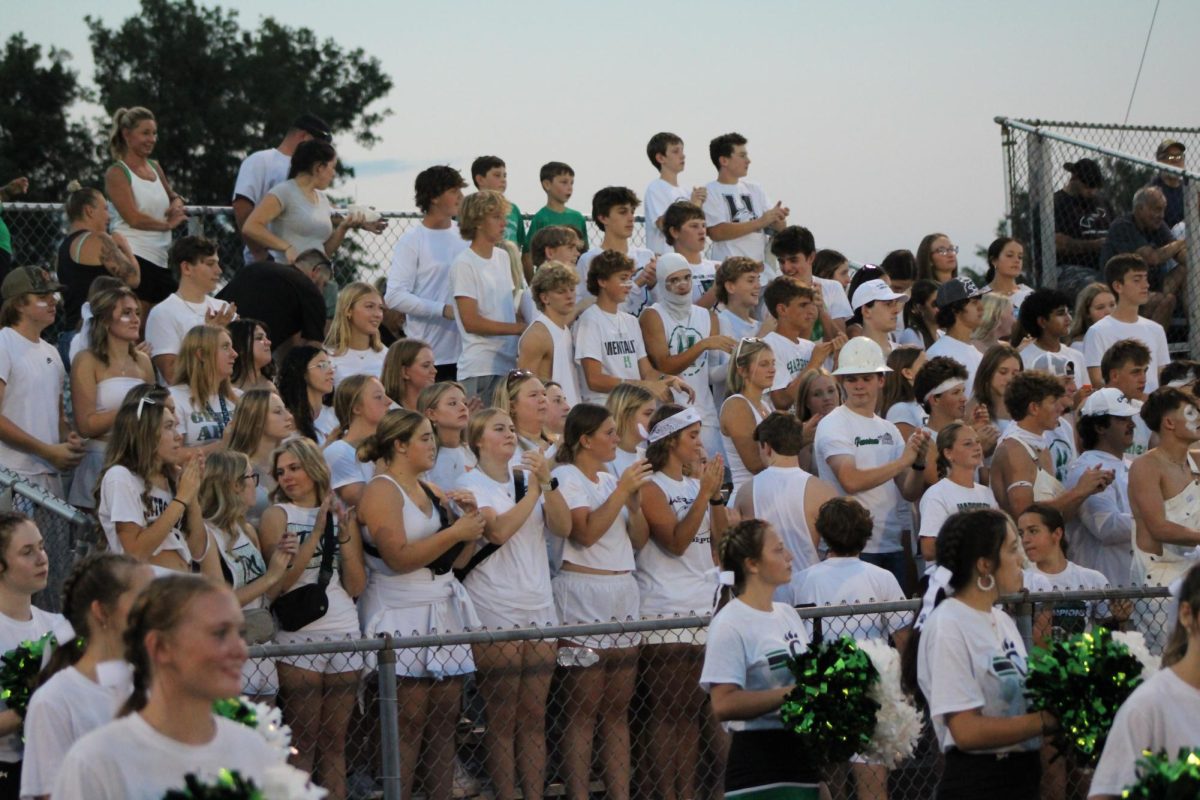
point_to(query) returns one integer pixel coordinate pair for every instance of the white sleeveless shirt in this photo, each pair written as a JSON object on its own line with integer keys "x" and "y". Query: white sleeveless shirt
{"x": 151, "y": 199}
{"x": 738, "y": 472}
{"x": 671, "y": 584}
{"x": 341, "y": 619}
{"x": 562, "y": 364}
{"x": 682, "y": 334}
{"x": 779, "y": 500}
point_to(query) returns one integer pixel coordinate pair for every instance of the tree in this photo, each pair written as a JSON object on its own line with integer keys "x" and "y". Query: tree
{"x": 220, "y": 92}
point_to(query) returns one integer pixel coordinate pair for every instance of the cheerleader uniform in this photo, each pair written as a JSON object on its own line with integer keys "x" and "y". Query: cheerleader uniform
{"x": 12, "y": 633}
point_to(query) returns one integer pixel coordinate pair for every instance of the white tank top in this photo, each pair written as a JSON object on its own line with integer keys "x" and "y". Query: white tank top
{"x": 680, "y": 336}
{"x": 562, "y": 365}
{"x": 151, "y": 199}
{"x": 671, "y": 584}
{"x": 243, "y": 561}
{"x": 1182, "y": 509}
{"x": 779, "y": 500}
{"x": 1045, "y": 485}
{"x": 341, "y": 619}
{"x": 738, "y": 472}
{"x": 417, "y": 526}
{"x": 110, "y": 393}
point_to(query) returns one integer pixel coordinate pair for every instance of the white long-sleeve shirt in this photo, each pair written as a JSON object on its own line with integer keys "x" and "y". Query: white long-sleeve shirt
{"x": 419, "y": 285}
{"x": 1101, "y": 536}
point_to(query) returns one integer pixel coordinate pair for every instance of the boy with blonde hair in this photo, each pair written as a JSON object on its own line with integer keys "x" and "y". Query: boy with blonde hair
{"x": 546, "y": 348}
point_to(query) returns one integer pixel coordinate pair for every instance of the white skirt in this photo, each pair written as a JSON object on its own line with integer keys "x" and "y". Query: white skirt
{"x": 403, "y": 607}
{"x": 584, "y": 598}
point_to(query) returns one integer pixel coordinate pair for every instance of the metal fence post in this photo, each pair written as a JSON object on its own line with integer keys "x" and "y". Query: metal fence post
{"x": 1024, "y": 618}
{"x": 1191, "y": 218}
{"x": 389, "y": 725}
{"x": 1041, "y": 208}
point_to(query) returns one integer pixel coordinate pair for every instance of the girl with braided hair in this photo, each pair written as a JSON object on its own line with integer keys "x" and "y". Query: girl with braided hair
{"x": 969, "y": 663}
{"x": 79, "y": 689}
{"x": 183, "y": 640}
{"x": 745, "y": 666}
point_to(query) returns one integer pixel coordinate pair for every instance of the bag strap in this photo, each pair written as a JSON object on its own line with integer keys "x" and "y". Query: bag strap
{"x": 485, "y": 552}
{"x": 328, "y": 545}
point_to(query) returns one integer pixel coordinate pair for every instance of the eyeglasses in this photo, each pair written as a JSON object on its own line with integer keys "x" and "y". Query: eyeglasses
{"x": 737, "y": 352}
{"x": 252, "y": 477}
{"x": 945, "y": 251}
{"x": 1175, "y": 158}
{"x": 517, "y": 375}
{"x": 321, "y": 365}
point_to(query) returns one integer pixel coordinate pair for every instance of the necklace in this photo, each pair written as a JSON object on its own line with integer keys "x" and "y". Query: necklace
{"x": 202, "y": 311}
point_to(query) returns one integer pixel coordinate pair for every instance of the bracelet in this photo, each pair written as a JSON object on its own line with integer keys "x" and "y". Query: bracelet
{"x": 718, "y": 501}
{"x": 918, "y": 467}
{"x": 177, "y": 500}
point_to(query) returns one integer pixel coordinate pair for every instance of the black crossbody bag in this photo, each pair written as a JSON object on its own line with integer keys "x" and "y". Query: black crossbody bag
{"x": 486, "y": 551}
{"x": 443, "y": 563}
{"x": 307, "y": 604}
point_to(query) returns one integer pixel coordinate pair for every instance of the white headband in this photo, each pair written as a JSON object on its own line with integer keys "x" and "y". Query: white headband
{"x": 1178, "y": 383}
{"x": 939, "y": 581}
{"x": 673, "y": 424}
{"x": 944, "y": 386}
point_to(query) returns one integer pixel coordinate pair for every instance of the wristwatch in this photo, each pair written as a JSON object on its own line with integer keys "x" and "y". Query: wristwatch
{"x": 549, "y": 487}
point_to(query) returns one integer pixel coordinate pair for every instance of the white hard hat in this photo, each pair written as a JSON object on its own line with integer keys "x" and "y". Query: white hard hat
{"x": 861, "y": 355}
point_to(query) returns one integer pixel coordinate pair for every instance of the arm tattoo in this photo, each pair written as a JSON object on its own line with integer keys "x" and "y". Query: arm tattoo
{"x": 114, "y": 260}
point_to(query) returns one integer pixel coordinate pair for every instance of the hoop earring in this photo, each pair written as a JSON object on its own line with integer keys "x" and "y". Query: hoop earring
{"x": 991, "y": 583}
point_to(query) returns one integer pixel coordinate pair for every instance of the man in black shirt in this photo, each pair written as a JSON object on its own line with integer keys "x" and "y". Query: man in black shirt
{"x": 287, "y": 297}
{"x": 1143, "y": 232}
{"x": 1170, "y": 152}
{"x": 1081, "y": 220}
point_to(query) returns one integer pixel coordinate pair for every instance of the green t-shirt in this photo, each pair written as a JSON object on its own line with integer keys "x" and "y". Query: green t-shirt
{"x": 544, "y": 218}
{"x": 5, "y": 237}
{"x": 515, "y": 230}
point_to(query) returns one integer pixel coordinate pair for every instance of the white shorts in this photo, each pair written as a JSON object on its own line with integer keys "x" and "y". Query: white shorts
{"x": 496, "y": 617}
{"x": 260, "y": 678}
{"x": 324, "y": 663}
{"x": 584, "y": 598}
{"x": 423, "y": 662}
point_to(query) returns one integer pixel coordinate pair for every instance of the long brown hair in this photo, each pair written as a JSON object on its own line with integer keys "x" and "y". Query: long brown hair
{"x": 400, "y": 356}
{"x": 196, "y": 367}
{"x": 99, "y": 578}
{"x": 249, "y": 420}
{"x": 133, "y": 441}
{"x": 103, "y": 306}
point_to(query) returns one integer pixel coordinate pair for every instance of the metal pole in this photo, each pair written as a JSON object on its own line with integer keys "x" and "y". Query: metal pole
{"x": 1024, "y": 615}
{"x": 389, "y": 724}
{"x": 1041, "y": 208}
{"x": 1191, "y": 216}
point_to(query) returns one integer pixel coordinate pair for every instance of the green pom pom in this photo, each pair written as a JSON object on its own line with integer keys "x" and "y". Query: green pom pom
{"x": 829, "y": 709}
{"x": 228, "y": 785}
{"x": 1160, "y": 778}
{"x": 237, "y": 710}
{"x": 19, "y": 669}
{"x": 1082, "y": 682}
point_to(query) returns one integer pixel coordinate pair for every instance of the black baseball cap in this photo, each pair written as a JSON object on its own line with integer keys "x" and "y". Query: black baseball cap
{"x": 314, "y": 125}
{"x": 956, "y": 289}
{"x": 1088, "y": 172}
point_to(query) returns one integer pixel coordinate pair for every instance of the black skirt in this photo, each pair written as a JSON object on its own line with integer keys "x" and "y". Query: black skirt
{"x": 765, "y": 758}
{"x": 987, "y": 776}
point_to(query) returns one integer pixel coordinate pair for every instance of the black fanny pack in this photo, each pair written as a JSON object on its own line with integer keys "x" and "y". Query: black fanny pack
{"x": 305, "y": 605}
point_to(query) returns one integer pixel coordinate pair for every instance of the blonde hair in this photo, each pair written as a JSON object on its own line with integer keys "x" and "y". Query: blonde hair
{"x": 993, "y": 310}
{"x": 249, "y": 420}
{"x": 196, "y": 367}
{"x": 338, "y": 339}
{"x": 505, "y": 399}
{"x": 745, "y": 354}
{"x": 551, "y": 277}
{"x": 431, "y": 396}
{"x": 103, "y": 305}
{"x": 311, "y": 461}
{"x": 1082, "y": 320}
{"x": 125, "y": 119}
{"x": 478, "y": 207}
{"x": 346, "y": 396}
{"x": 398, "y": 425}
{"x": 400, "y": 356}
{"x": 623, "y": 403}
{"x": 805, "y": 386}
{"x": 221, "y": 491}
{"x": 478, "y": 424}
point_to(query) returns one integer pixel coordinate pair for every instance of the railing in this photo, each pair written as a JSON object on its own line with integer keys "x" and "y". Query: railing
{"x": 670, "y": 721}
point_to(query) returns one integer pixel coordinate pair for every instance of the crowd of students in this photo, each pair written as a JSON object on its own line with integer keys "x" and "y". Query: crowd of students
{"x": 567, "y": 434}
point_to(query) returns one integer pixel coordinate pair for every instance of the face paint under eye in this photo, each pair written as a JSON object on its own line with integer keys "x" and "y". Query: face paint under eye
{"x": 1192, "y": 416}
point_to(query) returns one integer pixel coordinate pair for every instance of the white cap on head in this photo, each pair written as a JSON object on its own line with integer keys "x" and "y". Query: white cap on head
{"x": 1109, "y": 402}
{"x": 871, "y": 291}
{"x": 859, "y": 356}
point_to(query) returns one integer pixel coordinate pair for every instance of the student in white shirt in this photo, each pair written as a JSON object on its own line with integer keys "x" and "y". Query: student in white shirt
{"x": 445, "y": 404}
{"x": 26, "y": 573}
{"x": 1005, "y": 258}
{"x": 547, "y": 348}
{"x": 735, "y": 209}
{"x": 483, "y": 296}
{"x": 685, "y": 512}
{"x": 969, "y": 663}
{"x": 195, "y": 262}
{"x": 745, "y": 668}
{"x": 1125, "y": 367}
{"x": 185, "y": 646}
{"x": 685, "y": 231}
{"x": 1043, "y": 537}
{"x": 631, "y": 407}
{"x": 74, "y": 695}
{"x": 795, "y": 250}
{"x": 817, "y": 394}
{"x": 1101, "y": 532}
{"x": 260, "y": 425}
{"x": 305, "y": 380}
{"x": 35, "y": 439}
{"x": 1046, "y": 316}
{"x": 737, "y": 291}
{"x": 596, "y": 583}
{"x": 996, "y": 370}
{"x": 1163, "y": 714}
{"x": 204, "y": 395}
{"x": 1126, "y": 275}
{"x": 899, "y": 403}
{"x": 959, "y": 313}
{"x": 959, "y": 456}
{"x": 408, "y": 368}
{"x": 608, "y": 342}
{"x": 353, "y": 342}
{"x": 360, "y": 404}
{"x": 795, "y": 311}
{"x": 509, "y": 582}
{"x": 525, "y": 399}
{"x": 255, "y": 366}
{"x": 613, "y": 209}
{"x": 418, "y": 282}
{"x": 940, "y": 387}
{"x": 665, "y": 151}
{"x": 750, "y": 376}
{"x": 864, "y": 456}
{"x": 876, "y": 312}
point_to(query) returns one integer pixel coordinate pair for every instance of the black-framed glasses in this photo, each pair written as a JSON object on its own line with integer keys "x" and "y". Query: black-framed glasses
{"x": 252, "y": 477}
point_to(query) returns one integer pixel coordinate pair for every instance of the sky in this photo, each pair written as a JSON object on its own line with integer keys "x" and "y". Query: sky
{"x": 871, "y": 120}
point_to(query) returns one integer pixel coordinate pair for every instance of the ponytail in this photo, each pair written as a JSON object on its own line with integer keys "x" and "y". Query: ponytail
{"x": 742, "y": 541}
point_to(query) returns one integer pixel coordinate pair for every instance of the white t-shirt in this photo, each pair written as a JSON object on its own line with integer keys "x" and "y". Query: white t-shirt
{"x": 750, "y": 649}
{"x": 910, "y": 413}
{"x": 946, "y": 498}
{"x": 963, "y": 353}
{"x": 168, "y": 321}
{"x": 790, "y": 358}
{"x": 452, "y": 463}
{"x": 704, "y": 275}
{"x": 733, "y": 325}
{"x": 1031, "y": 352}
{"x": 844, "y": 580}
{"x": 357, "y": 362}
{"x": 833, "y": 294}
{"x": 419, "y": 285}
{"x": 121, "y": 501}
{"x": 127, "y": 759}
{"x": 33, "y": 376}
{"x": 613, "y": 550}
{"x": 736, "y": 202}
{"x": 639, "y": 296}
{"x": 201, "y": 424}
{"x": 615, "y": 340}
{"x": 1061, "y": 443}
{"x": 259, "y": 173}
{"x": 670, "y": 584}
{"x": 1018, "y": 297}
{"x": 1161, "y": 714}
{"x": 344, "y": 467}
{"x": 659, "y": 196}
{"x": 69, "y": 706}
{"x": 12, "y": 633}
{"x": 487, "y": 281}
{"x": 1110, "y": 330}
{"x": 1070, "y": 616}
{"x": 872, "y": 441}
{"x": 971, "y": 659}
{"x": 1102, "y": 533}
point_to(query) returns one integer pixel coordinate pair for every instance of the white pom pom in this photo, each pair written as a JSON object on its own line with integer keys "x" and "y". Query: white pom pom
{"x": 898, "y": 722}
{"x": 1136, "y": 643}
{"x": 285, "y": 782}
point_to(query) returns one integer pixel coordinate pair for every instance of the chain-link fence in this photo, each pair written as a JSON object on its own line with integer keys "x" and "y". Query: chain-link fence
{"x": 602, "y": 710}
{"x": 1064, "y": 226}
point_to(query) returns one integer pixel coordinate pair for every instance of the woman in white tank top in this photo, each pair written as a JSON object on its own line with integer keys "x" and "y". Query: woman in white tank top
{"x": 100, "y": 378}
{"x": 317, "y": 692}
{"x": 412, "y": 542}
{"x": 685, "y": 512}
{"x": 751, "y": 374}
